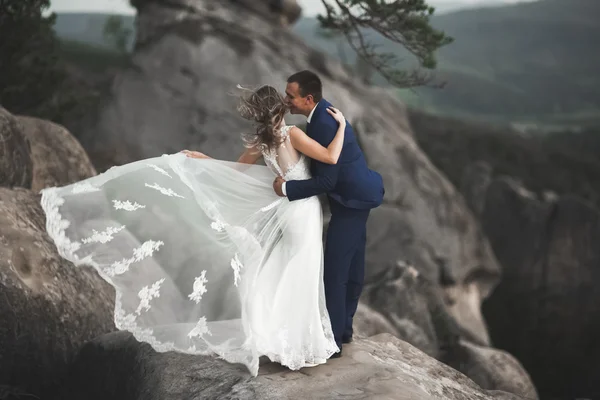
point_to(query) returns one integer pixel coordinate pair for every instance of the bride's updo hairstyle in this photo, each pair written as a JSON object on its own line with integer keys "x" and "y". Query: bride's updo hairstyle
{"x": 266, "y": 107}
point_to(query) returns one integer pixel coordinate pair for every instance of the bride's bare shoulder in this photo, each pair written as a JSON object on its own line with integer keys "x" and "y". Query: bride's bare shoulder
{"x": 295, "y": 131}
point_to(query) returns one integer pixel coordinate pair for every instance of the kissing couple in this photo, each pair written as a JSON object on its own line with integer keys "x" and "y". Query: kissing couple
{"x": 212, "y": 257}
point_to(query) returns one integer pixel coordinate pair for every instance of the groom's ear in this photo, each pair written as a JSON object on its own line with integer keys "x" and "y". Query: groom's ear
{"x": 310, "y": 97}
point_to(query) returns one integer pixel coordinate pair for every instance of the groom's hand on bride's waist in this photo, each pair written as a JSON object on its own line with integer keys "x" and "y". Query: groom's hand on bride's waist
{"x": 279, "y": 186}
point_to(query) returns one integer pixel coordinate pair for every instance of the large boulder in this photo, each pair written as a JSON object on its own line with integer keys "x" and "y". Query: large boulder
{"x": 428, "y": 315}
{"x": 188, "y": 60}
{"x": 15, "y": 153}
{"x": 116, "y": 366}
{"x": 407, "y": 300}
{"x": 368, "y": 322}
{"x": 49, "y": 308}
{"x": 546, "y": 310}
{"x": 493, "y": 369}
{"x": 58, "y": 158}
{"x": 36, "y": 154}
{"x": 474, "y": 182}
{"x": 424, "y": 315}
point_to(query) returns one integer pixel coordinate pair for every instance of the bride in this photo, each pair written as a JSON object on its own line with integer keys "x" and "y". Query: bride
{"x": 204, "y": 257}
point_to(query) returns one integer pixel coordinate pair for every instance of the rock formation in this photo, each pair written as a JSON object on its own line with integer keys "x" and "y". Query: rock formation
{"x": 46, "y": 308}
{"x": 15, "y": 153}
{"x": 528, "y": 195}
{"x": 36, "y": 154}
{"x": 49, "y": 308}
{"x": 116, "y": 367}
{"x": 58, "y": 158}
{"x": 474, "y": 183}
{"x": 546, "y": 310}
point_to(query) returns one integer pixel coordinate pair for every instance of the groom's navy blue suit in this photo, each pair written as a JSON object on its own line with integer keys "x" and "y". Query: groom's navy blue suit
{"x": 353, "y": 190}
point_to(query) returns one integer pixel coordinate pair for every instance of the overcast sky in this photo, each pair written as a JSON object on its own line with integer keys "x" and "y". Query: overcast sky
{"x": 310, "y": 7}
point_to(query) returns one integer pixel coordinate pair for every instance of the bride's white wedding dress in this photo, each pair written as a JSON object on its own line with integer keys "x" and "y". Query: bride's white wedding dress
{"x": 204, "y": 256}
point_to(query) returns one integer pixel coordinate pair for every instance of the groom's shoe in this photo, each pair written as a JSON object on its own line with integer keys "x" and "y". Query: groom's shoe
{"x": 336, "y": 355}
{"x": 347, "y": 340}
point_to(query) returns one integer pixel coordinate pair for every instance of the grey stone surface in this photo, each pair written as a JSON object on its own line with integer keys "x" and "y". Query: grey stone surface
{"x": 117, "y": 367}
{"x": 48, "y": 307}
{"x": 58, "y": 158}
{"x": 15, "y": 153}
{"x": 546, "y": 310}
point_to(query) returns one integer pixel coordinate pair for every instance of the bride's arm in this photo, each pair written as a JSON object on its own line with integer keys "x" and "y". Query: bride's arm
{"x": 313, "y": 149}
{"x": 249, "y": 156}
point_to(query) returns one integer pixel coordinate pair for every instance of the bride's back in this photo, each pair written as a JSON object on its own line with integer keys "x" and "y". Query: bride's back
{"x": 285, "y": 160}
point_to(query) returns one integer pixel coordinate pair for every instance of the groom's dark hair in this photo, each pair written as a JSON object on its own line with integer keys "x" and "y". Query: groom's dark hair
{"x": 308, "y": 83}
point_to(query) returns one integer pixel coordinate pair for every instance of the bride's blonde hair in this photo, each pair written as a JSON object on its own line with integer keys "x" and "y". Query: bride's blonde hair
{"x": 266, "y": 107}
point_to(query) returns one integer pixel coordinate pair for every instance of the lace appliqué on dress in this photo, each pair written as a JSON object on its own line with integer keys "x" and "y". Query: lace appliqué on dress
{"x": 236, "y": 265}
{"x": 147, "y": 294}
{"x": 199, "y": 288}
{"x": 159, "y": 169}
{"x": 165, "y": 191}
{"x": 218, "y": 225}
{"x": 285, "y": 161}
{"x": 299, "y": 171}
{"x": 127, "y": 205}
{"x": 297, "y": 357}
{"x": 270, "y": 157}
{"x": 104, "y": 236}
{"x": 200, "y": 329}
{"x": 145, "y": 250}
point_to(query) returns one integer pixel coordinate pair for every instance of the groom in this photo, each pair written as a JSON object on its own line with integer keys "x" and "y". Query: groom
{"x": 352, "y": 190}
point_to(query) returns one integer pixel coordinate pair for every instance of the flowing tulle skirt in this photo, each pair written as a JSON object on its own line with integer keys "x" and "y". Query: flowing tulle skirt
{"x": 204, "y": 258}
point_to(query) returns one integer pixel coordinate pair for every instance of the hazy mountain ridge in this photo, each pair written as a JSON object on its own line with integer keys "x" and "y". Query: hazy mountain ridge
{"x": 524, "y": 62}
{"x": 87, "y": 27}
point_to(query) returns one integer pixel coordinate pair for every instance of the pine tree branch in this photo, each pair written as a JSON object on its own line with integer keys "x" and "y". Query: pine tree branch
{"x": 405, "y": 22}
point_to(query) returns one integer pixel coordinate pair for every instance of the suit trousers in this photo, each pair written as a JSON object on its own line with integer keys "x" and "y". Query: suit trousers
{"x": 344, "y": 267}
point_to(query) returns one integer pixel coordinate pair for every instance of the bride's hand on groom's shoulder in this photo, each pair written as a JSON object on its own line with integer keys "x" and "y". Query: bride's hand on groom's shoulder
{"x": 337, "y": 115}
{"x": 194, "y": 154}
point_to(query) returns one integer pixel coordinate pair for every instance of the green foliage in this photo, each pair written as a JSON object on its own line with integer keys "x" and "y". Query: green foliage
{"x": 91, "y": 70}
{"x": 528, "y": 62}
{"x": 88, "y": 28}
{"x": 92, "y": 58}
{"x": 117, "y": 33}
{"x": 29, "y": 71}
{"x": 405, "y": 23}
{"x": 531, "y": 62}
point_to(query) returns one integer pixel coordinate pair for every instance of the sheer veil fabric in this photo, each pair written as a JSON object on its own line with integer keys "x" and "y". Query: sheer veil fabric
{"x": 204, "y": 257}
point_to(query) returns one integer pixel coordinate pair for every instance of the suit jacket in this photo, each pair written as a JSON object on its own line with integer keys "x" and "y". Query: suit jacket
{"x": 349, "y": 182}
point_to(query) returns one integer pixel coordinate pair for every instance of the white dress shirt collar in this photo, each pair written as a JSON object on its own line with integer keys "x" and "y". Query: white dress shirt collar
{"x": 311, "y": 113}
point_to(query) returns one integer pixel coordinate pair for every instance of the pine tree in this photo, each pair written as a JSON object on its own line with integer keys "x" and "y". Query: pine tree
{"x": 116, "y": 33}
{"x": 405, "y": 22}
{"x": 29, "y": 67}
